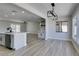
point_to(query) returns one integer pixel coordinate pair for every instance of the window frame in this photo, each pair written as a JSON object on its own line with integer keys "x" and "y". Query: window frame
{"x": 61, "y": 26}
{"x": 15, "y": 27}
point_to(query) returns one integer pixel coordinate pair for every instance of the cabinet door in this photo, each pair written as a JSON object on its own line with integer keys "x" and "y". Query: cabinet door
{"x": 8, "y": 41}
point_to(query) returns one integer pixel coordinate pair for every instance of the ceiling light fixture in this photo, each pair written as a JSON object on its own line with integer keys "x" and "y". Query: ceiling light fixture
{"x": 51, "y": 13}
{"x": 13, "y": 12}
{"x": 6, "y": 15}
{"x": 23, "y": 11}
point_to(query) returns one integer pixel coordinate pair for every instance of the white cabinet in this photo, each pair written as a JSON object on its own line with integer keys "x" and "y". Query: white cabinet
{"x": 18, "y": 40}
{"x": 14, "y": 40}
{"x": 2, "y": 39}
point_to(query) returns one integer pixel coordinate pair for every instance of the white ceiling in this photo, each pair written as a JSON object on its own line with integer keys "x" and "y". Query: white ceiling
{"x": 61, "y": 9}
{"x": 6, "y": 13}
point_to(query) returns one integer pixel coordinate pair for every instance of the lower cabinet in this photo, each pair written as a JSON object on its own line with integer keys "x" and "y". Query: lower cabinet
{"x": 8, "y": 41}
{"x": 15, "y": 40}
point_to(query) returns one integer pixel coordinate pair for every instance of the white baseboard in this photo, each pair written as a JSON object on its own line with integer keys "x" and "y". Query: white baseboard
{"x": 58, "y": 39}
{"x": 31, "y": 33}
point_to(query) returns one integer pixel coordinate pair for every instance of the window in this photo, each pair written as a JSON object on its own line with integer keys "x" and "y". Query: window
{"x": 61, "y": 26}
{"x": 15, "y": 27}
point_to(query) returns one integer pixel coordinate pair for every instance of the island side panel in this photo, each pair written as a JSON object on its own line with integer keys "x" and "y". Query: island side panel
{"x": 20, "y": 40}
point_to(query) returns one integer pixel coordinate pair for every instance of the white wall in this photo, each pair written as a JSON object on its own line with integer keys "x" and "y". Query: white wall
{"x": 23, "y": 27}
{"x": 75, "y": 40}
{"x": 51, "y": 29}
{"x": 5, "y": 24}
{"x": 32, "y": 27}
{"x": 75, "y": 19}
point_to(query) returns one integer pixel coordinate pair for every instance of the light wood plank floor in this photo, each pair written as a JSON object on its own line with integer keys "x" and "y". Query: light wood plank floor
{"x": 38, "y": 47}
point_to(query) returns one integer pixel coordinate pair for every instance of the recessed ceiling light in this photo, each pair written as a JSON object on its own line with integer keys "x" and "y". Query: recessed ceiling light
{"x": 13, "y": 13}
{"x": 6, "y": 15}
{"x": 23, "y": 11}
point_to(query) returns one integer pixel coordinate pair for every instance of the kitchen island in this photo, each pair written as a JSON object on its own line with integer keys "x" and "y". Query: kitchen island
{"x": 15, "y": 40}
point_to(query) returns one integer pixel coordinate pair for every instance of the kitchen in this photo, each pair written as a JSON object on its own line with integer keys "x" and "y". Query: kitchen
{"x": 12, "y": 34}
{"x": 15, "y": 26}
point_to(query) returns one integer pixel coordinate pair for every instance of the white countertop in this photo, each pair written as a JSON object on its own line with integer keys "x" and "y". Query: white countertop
{"x": 12, "y": 32}
{"x": 18, "y": 39}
